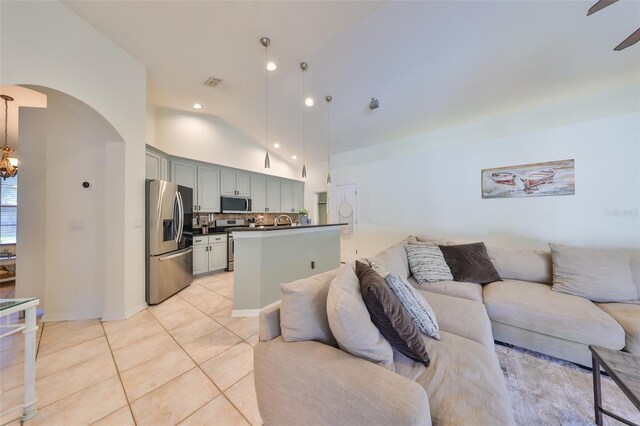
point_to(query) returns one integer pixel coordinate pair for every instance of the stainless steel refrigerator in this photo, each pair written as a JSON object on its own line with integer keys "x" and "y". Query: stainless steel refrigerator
{"x": 169, "y": 253}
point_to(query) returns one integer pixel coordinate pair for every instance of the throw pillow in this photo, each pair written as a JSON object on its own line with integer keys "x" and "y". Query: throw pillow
{"x": 427, "y": 263}
{"x": 303, "y": 310}
{"x": 351, "y": 324}
{"x": 598, "y": 275}
{"x": 389, "y": 316}
{"x": 470, "y": 263}
{"x": 416, "y": 306}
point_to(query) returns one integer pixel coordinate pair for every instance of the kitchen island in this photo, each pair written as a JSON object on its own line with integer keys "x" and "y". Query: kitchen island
{"x": 266, "y": 257}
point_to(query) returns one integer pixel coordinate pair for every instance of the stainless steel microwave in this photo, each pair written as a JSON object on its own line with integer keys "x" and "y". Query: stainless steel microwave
{"x": 235, "y": 205}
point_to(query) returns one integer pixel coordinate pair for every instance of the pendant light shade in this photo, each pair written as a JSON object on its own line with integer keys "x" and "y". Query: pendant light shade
{"x": 328, "y": 98}
{"x": 8, "y": 166}
{"x": 304, "y": 171}
{"x": 265, "y": 41}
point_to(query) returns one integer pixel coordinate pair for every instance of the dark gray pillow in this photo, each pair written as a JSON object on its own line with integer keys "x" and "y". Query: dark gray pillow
{"x": 470, "y": 263}
{"x": 389, "y": 316}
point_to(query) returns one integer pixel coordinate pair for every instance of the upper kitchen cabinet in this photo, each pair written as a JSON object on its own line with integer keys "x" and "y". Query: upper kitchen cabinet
{"x": 258, "y": 193}
{"x": 186, "y": 174}
{"x": 286, "y": 196}
{"x": 298, "y": 196}
{"x": 273, "y": 195}
{"x": 156, "y": 165}
{"x": 235, "y": 183}
{"x": 208, "y": 189}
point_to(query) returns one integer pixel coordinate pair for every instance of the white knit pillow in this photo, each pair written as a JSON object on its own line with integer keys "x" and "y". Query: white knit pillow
{"x": 416, "y": 306}
{"x": 427, "y": 263}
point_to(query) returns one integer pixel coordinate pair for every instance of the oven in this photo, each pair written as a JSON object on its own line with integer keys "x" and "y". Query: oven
{"x": 228, "y": 225}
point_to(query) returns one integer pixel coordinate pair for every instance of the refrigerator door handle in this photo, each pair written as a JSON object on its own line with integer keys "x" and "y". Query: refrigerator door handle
{"x": 176, "y": 254}
{"x": 181, "y": 214}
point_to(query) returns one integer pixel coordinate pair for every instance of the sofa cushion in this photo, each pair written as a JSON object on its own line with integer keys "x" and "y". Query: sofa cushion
{"x": 465, "y": 384}
{"x": 535, "y": 307}
{"x": 628, "y": 315}
{"x": 463, "y": 290}
{"x": 522, "y": 264}
{"x": 388, "y": 314}
{"x": 303, "y": 310}
{"x": 427, "y": 263}
{"x": 598, "y": 275}
{"x": 463, "y": 317}
{"x": 350, "y": 321}
{"x": 470, "y": 263}
{"x": 394, "y": 258}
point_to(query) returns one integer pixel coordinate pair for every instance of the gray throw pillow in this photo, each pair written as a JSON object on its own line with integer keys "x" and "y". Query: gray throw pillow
{"x": 351, "y": 324}
{"x": 597, "y": 275}
{"x": 416, "y": 306}
{"x": 303, "y": 310}
{"x": 427, "y": 263}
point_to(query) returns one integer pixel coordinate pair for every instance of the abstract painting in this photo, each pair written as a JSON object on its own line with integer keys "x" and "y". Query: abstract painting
{"x": 530, "y": 180}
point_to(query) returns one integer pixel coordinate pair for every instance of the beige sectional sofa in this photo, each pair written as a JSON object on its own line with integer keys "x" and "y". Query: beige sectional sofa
{"x": 309, "y": 382}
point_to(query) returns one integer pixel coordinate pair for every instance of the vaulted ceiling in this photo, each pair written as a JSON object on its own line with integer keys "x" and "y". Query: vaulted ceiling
{"x": 431, "y": 64}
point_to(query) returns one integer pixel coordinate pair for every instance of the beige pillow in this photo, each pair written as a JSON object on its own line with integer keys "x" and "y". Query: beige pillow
{"x": 303, "y": 310}
{"x": 522, "y": 264}
{"x": 351, "y": 324}
{"x": 598, "y": 275}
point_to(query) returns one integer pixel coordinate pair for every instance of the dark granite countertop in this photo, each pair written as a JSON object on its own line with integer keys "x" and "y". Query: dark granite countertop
{"x": 280, "y": 227}
{"x": 198, "y": 232}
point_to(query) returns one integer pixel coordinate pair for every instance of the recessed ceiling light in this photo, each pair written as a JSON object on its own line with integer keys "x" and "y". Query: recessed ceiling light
{"x": 295, "y": 157}
{"x": 271, "y": 66}
{"x": 308, "y": 102}
{"x": 197, "y": 106}
{"x": 276, "y": 145}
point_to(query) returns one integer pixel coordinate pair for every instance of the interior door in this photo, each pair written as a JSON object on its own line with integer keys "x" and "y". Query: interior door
{"x": 345, "y": 210}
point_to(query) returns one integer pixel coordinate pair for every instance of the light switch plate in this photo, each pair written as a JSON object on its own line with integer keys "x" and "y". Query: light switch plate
{"x": 76, "y": 225}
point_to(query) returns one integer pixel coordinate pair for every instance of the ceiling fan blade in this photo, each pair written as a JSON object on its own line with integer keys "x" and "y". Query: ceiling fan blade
{"x": 601, "y": 4}
{"x": 629, "y": 41}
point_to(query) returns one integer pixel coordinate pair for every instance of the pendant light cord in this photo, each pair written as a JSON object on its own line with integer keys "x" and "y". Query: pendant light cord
{"x": 6, "y": 126}
{"x": 266, "y": 99}
{"x": 329, "y": 136}
{"x": 303, "y": 127}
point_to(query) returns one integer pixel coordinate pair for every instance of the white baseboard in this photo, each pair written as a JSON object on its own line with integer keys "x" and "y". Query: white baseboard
{"x": 245, "y": 312}
{"x": 70, "y": 316}
{"x": 117, "y": 316}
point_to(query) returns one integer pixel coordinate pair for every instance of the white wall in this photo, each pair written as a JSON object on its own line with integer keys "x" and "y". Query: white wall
{"x": 430, "y": 183}
{"x": 207, "y": 138}
{"x": 45, "y": 44}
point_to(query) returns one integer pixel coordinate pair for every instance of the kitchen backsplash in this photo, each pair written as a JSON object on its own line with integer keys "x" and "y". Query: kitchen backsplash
{"x": 267, "y": 218}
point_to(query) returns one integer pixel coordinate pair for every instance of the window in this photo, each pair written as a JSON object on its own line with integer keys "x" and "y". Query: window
{"x": 8, "y": 209}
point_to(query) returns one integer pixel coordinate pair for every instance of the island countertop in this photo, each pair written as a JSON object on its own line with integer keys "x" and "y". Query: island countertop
{"x": 280, "y": 227}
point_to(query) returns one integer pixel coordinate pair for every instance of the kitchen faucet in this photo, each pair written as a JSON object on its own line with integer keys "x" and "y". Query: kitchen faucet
{"x": 275, "y": 222}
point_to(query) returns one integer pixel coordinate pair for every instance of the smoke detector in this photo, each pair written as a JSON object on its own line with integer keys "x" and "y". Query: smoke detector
{"x": 212, "y": 82}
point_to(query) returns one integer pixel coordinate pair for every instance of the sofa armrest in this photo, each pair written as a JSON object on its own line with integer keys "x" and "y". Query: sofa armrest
{"x": 310, "y": 383}
{"x": 269, "y": 322}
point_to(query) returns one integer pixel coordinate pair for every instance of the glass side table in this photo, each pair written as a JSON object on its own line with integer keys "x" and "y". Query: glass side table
{"x": 8, "y": 307}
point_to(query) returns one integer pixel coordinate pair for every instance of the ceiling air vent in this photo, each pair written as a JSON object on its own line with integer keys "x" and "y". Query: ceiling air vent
{"x": 212, "y": 82}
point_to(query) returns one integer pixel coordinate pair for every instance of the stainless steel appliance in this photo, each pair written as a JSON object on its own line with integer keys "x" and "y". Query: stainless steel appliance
{"x": 169, "y": 255}
{"x": 235, "y": 205}
{"x": 223, "y": 225}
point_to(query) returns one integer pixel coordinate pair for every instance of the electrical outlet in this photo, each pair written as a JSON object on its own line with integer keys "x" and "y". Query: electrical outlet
{"x": 313, "y": 265}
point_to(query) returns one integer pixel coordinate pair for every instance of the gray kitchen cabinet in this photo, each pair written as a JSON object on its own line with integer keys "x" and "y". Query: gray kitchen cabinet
{"x": 298, "y": 196}
{"x": 235, "y": 183}
{"x": 156, "y": 165}
{"x": 209, "y": 253}
{"x": 208, "y": 189}
{"x": 258, "y": 193}
{"x": 186, "y": 174}
{"x": 273, "y": 195}
{"x": 286, "y": 196}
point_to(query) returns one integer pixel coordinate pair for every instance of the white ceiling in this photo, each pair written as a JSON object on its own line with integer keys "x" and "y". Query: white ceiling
{"x": 431, "y": 64}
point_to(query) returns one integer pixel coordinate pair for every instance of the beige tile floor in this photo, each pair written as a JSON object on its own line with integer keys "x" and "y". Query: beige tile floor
{"x": 185, "y": 361}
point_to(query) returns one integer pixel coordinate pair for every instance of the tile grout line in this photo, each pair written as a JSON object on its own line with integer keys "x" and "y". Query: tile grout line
{"x": 113, "y": 358}
{"x": 201, "y": 370}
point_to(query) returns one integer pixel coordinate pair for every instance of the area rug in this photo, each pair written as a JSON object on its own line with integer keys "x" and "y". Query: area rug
{"x": 548, "y": 391}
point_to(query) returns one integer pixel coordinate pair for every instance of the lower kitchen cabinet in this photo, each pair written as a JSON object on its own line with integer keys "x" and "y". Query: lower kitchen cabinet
{"x": 209, "y": 253}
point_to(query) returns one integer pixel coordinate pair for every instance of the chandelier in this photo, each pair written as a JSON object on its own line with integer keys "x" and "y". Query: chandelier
{"x": 8, "y": 166}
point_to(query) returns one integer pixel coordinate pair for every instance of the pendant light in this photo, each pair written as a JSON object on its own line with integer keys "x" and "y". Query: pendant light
{"x": 8, "y": 166}
{"x": 329, "y": 99}
{"x": 303, "y": 66}
{"x": 265, "y": 41}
